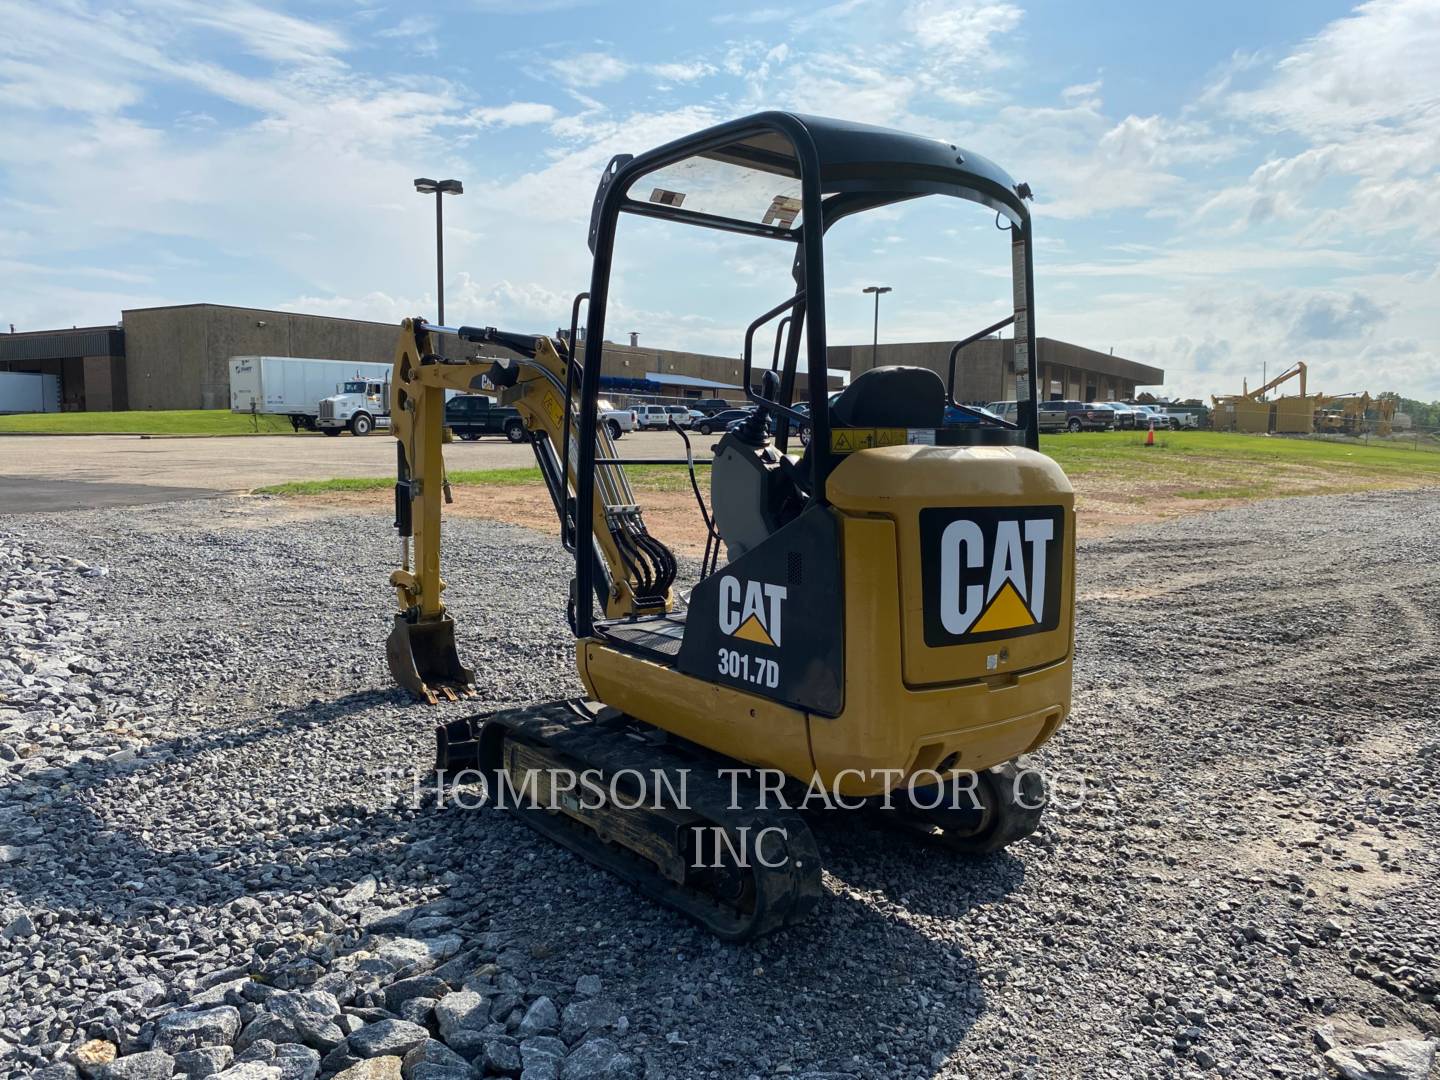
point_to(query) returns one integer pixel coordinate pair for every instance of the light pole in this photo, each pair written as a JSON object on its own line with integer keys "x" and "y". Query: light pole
{"x": 875, "y": 342}
{"x": 439, "y": 188}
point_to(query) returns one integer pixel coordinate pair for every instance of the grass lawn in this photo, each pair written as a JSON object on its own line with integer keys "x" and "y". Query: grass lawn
{"x": 642, "y": 478}
{"x": 1199, "y": 465}
{"x": 159, "y": 422}
{"x": 1209, "y": 465}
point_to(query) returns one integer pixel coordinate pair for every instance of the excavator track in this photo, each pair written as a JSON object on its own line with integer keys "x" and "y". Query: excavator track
{"x": 659, "y": 815}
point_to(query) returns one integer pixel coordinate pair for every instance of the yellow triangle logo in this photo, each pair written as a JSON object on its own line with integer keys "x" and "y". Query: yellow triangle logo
{"x": 1006, "y": 612}
{"x": 751, "y": 630}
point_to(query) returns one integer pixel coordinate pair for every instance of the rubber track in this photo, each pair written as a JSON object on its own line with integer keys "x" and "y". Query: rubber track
{"x": 595, "y": 736}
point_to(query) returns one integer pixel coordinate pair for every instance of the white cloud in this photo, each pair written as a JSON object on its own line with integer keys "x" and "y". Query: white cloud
{"x": 964, "y": 31}
{"x": 1377, "y": 65}
{"x": 682, "y": 72}
{"x": 1275, "y": 190}
{"x": 757, "y": 17}
{"x": 515, "y": 114}
{"x": 1361, "y": 93}
{"x": 1082, "y": 92}
{"x": 260, "y": 30}
{"x": 409, "y": 27}
{"x": 590, "y": 69}
{"x": 1325, "y": 316}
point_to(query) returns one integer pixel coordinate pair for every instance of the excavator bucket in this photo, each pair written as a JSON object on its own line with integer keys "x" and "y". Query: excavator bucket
{"x": 423, "y": 659}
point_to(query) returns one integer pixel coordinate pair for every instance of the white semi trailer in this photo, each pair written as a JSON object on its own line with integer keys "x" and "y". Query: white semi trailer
{"x": 291, "y": 387}
{"x": 27, "y": 392}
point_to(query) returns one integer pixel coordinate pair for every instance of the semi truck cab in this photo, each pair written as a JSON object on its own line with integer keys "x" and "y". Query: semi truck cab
{"x": 362, "y": 405}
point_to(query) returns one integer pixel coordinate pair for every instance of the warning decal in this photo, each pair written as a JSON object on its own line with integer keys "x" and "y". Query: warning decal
{"x": 849, "y": 439}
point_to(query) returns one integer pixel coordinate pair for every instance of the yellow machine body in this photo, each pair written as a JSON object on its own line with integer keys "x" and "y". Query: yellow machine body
{"x": 908, "y": 708}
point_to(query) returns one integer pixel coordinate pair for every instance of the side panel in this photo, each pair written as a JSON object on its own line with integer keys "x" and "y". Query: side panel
{"x": 772, "y": 621}
{"x": 741, "y": 725}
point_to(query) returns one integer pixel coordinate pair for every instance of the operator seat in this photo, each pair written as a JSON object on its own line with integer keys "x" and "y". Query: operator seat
{"x": 897, "y": 396}
{"x": 891, "y": 397}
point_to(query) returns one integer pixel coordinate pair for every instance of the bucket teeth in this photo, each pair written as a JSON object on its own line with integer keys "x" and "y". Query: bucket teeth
{"x": 423, "y": 660}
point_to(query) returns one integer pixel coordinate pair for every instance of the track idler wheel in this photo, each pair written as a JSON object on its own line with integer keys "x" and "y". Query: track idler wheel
{"x": 978, "y": 813}
{"x": 423, "y": 660}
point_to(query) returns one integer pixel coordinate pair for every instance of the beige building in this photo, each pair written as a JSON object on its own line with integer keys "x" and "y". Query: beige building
{"x": 178, "y": 358}
{"x": 984, "y": 372}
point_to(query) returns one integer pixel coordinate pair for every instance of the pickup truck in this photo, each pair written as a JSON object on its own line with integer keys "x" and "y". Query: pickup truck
{"x": 1052, "y": 416}
{"x": 1162, "y": 417}
{"x": 471, "y": 415}
{"x": 618, "y": 421}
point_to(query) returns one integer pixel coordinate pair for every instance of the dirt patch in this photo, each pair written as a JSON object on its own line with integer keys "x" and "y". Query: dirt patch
{"x": 1105, "y": 503}
{"x": 672, "y": 516}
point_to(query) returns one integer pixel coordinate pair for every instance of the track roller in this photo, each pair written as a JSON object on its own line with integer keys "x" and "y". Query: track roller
{"x": 977, "y": 813}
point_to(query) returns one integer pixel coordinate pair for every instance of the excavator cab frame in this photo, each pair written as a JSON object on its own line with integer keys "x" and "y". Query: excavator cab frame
{"x": 840, "y": 169}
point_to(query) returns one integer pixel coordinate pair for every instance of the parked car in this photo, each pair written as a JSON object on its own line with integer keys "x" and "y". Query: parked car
{"x": 1125, "y": 416}
{"x": 720, "y": 421}
{"x": 1082, "y": 417}
{"x": 651, "y": 417}
{"x": 1182, "y": 417}
{"x": 471, "y": 415}
{"x": 957, "y": 417}
{"x": 680, "y": 414}
{"x": 1161, "y": 418}
{"x": 617, "y": 421}
{"x": 1052, "y": 417}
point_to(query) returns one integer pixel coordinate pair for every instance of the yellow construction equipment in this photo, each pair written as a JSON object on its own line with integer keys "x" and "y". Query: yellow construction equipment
{"x": 1357, "y": 414}
{"x": 885, "y": 619}
{"x": 1301, "y": 414}
{"x": 1248, "y": 411}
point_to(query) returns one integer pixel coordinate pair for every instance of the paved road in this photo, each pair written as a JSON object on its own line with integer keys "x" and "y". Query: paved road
{"x": 38, "y": 473}
{"x": 43, "y": 495}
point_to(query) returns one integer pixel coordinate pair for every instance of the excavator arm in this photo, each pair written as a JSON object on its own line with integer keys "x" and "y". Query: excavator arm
{"x": 634, "y": 570}
{"x": 1297, "y": 369}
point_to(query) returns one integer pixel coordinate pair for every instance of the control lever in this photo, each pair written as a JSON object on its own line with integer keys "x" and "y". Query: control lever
{"x": 753, "y": 430}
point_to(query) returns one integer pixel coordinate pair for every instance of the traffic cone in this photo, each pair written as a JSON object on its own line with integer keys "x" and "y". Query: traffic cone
{"x": 1150, "y": 437}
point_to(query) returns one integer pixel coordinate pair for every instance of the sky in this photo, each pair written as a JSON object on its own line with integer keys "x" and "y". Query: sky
{"x": 1220, "y": 189}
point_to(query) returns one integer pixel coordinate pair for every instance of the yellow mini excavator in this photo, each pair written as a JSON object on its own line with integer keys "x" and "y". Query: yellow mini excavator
{"x": 891, "y": 623}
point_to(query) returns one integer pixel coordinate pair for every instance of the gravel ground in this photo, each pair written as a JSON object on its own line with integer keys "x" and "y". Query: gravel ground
{"x": 207, "y": 778}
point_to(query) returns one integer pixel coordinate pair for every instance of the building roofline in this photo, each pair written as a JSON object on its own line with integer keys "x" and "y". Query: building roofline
{"x": 60, "y": 330}
{"x": 1105, "y": 363}
{"x": 264, "y": 311}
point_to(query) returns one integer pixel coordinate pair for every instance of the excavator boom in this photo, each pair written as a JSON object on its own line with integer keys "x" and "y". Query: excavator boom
{"x": 633, "y": 570}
